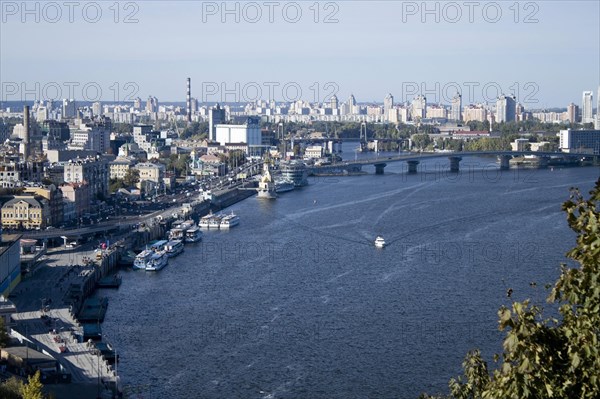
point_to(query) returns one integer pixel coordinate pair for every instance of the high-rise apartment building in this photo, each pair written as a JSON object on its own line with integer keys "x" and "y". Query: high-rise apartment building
{"x": 69, "y": 109}
{"x": 587, "y": 103}
{"x": 388, "y": 103}
{"x": 456, "y": 108}
{"x": 419, "y": 107}
{"x": 334, "y": 102}
{"x": 506, "y": 109}
{"x": 216, "y": 116}
{"x": 573, "y": 113}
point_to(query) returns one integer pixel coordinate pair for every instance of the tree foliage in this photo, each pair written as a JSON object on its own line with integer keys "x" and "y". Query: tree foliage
{"x": 233, "y": 159}
{"x": 197, "y": 130}
{"x": 488, "y": 144}
{"x": 115, "y": 184}
{"x": 177, "y": 163}
{"x": 547, "y": 357}
{"x": 132, "y": 177}
{"x": 421, "y": 141}
{"x": 11, "y": 389}
{"x": 34, "y": 388}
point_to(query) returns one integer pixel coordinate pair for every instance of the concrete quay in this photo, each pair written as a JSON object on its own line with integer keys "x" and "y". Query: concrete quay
{"x": 64, "y": 278}
{"x": 52, "y": 282}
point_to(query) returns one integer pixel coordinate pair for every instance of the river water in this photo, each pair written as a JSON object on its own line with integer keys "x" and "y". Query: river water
{"x": 296, "y": 302}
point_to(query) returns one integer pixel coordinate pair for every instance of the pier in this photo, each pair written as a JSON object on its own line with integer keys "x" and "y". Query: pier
{"x": 48, "y": 301}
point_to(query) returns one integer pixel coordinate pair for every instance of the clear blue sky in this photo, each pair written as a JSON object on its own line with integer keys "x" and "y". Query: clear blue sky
{"x": 375, "y": 47}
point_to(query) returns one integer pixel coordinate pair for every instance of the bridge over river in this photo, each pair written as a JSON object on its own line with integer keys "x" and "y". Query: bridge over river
{"x": 414, "y": 159}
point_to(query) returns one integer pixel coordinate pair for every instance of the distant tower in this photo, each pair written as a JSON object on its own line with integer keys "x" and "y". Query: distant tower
{"x": 506, "y": 109}
{"x": 597, "y": 124}
{"x": 573, "y": 113}
{"x": 189, "y": 100}
{"x": 27, "y": 128}
{"x": 334, "y": 102}
{"x": 351, "y": 106}
{"x": 388, "y": 103}
{"x": 455, "y": 111}
{"x": 419, "y": 107}
{"x": 587, "y": 114}
{"x": 216, "y": 116}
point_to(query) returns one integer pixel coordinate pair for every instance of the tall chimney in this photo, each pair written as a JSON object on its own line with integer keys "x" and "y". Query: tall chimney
{"x": 189, "y": 100}
{"x": 27, "y": 131}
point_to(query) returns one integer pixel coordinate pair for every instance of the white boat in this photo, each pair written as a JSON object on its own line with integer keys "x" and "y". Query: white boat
{"x": 295, "y": 171}
{"x": 379, "y": 242}
{"x": 179, "y": 228}
{"x": 176, "y": 234}
{"x": 205, "y": 221}
{"x": 284, "y": 185}
{"x": 158, "y": 261}
{"x": 193, "y": 235}
{"x": 159, "y": 246}
{"x": 215, "y": 221}
{"x": 229, "y": 221}
{"x": 174, "y": 248}
{"x": 142, "y": 259}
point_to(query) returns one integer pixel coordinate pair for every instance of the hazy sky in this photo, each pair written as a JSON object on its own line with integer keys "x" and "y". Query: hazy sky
{"x": 545, "y": 52}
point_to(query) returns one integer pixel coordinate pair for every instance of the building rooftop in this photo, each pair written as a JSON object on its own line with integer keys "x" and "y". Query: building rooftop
{"x": 30, "y": 200}
{"x": 31, "y": 355}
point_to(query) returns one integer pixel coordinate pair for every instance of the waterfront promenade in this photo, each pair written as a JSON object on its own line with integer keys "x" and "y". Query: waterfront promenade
{"x": 52, "y": 326}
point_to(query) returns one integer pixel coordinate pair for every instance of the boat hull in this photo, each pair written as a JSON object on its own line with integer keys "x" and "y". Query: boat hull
{"x": 157, "y": 263}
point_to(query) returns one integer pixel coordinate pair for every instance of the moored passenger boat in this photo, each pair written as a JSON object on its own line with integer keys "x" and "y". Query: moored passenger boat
{"x": 296, "y": 172}
{"x": 205, "y": 221}
{"x": 215, "y": 221}
{"x": 230, "y": 220}
{"x": 142, "y": 259}
{"x": 284, "y": 185}
{"x": 176, "y": 234}
{"x": 193, "y": 235}
{"x": 174, "y": 248}
{"x": 157, "y": 262}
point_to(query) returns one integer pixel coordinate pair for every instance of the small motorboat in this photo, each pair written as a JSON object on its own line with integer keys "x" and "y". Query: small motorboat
{"x": 379, "y": 242}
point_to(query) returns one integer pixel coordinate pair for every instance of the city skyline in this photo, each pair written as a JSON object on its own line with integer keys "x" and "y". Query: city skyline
{"x": 365, "y": 49}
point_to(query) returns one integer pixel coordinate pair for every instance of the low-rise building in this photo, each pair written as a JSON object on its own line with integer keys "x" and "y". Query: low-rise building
{"x": 150, "y": 172}
{"x": 119, "y": 167}
{"x": 466, "y": 135}
{"x": 210, "y": 165}
{"x": 521, "y": 145}
{"x": 580, "y": 141}
{"x": 26, "y": 212}
{"x": 132, "y": 150}
{"x": 313, "y": 152}
{"x": 13, "y": 174}
{"x": 54, "y": 197}
{"x": 237, "y": 147}
{"x": 76, "y": 197}
{"x": 92, "y": 171}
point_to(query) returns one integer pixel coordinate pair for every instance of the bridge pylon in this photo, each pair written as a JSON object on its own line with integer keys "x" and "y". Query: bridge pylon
{"x": 379, "y": 167}
{"x": 505, "y": 162}
{"x": 412, "y": 166}
{"x": 454, "y": 164}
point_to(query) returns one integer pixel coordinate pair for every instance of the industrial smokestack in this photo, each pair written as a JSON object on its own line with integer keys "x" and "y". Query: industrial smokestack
{"x": 27, "y": 129}
{"x": 189, "y": 100}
